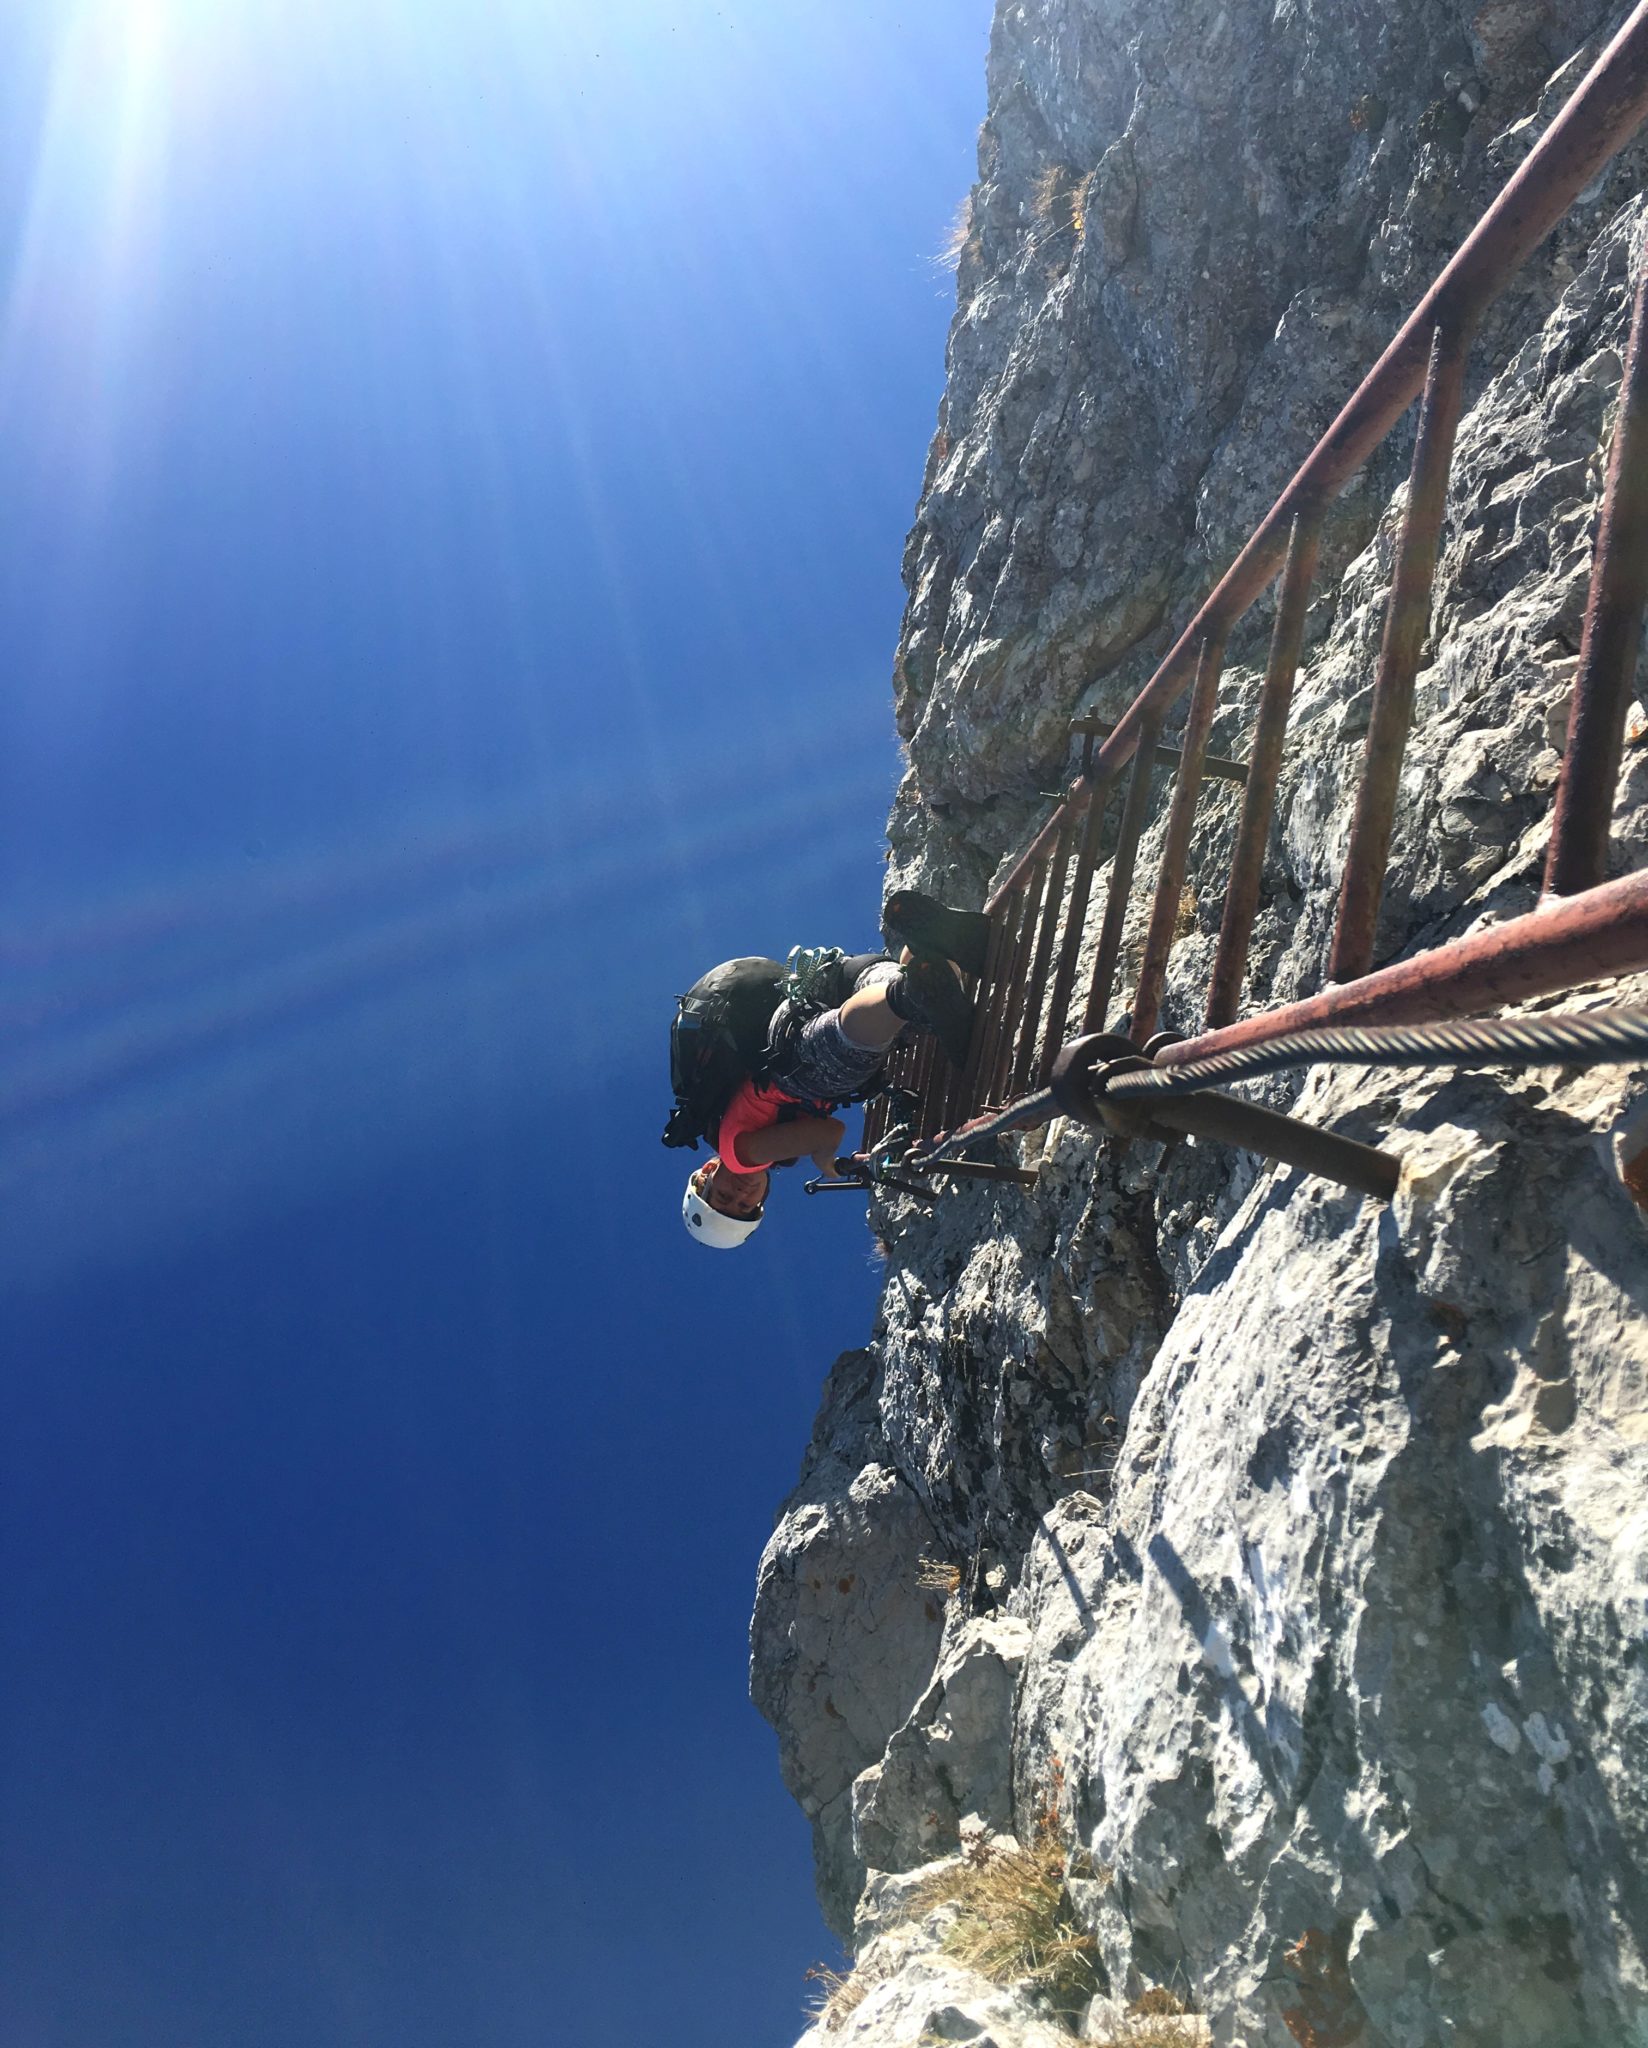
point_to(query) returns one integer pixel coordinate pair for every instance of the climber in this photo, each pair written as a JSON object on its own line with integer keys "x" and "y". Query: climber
{"x": 827, "y": 1040}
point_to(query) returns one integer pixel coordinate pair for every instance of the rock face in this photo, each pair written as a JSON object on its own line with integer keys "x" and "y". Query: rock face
{"x": 1299, "y": 1545}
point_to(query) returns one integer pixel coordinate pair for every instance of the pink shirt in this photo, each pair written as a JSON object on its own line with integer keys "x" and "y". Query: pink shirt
{"x": 752, "y": 1108}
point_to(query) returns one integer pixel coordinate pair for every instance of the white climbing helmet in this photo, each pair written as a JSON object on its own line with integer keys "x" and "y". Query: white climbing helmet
{"x": 709, "y": 1226}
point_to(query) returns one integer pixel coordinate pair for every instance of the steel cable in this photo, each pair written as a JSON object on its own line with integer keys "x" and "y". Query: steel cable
{"x": 1017, "y": 1116}
{"x": 1572, "y": 1038}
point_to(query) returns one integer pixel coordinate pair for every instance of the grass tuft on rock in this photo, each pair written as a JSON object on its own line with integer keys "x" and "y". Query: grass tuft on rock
{"x": 1013, "y": 1922}
{"x": 937, "y": 1576}
{"x": 1009, "y": 1920}
{"x": 1158, "y": 2018}
{"x": 838, "y": 1994}
{"x": 961, "y": 239}
{"x": 1156, "y": 2030}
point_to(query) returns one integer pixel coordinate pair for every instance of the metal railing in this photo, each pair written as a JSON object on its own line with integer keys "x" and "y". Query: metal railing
{"x": 1586, "y": 927}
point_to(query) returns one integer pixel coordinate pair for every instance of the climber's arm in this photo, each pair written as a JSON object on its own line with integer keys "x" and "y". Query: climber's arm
{"x": 810, "y": 1137}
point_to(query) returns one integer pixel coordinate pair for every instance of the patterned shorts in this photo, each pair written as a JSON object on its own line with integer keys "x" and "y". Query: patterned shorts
{"x": 810, "y": 1056}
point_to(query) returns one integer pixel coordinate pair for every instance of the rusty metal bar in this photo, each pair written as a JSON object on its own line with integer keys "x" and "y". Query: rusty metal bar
{"x": 1230, "y": 1121}
{"x": 1078, "y": 1090}
{"x": 956, "y": 1080}
{"x": 942, "y": 1078}
{"x": 899, "y": 1068}
{"x": 981, "y": 1055}
{"x": 1170, "y": 874}
{"x": 1075, "y": 926}
{"x": 875, "y": 1114}
{"x": 1035, "y": 994}
{"x": 1613, "y": 631}
{"x": 987, "y": 999}
{"x": 1010, "y": 918}
{"x": 1005, "y": 925}
{"x": 996, "y": 1084}
{"x": 1631, "y": 1156}
{"x": 875, "y": 1110}
{"x": 901, "y": 1072}
{"x": 1265, "y": 768}
{"x": 929, "y": 1063}
{"x": 940, "y": 1074}
{"x": 1166, "y": 757}
{"x": 1605, "y": 111}
{"x": 909, "y": 1047}
{"x": 1407, "y": 623}
{"x": 977, "y": 1169}
{"x": 1134, "y": 813}
{"x": 1567, "y": 941}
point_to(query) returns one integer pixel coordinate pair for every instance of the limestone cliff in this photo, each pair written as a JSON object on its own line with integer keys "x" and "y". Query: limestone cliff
{"x": 1288, "y": 1551}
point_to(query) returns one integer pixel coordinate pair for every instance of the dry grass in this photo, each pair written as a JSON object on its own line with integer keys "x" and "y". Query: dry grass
{"x": 1058, "y": 206}
{"x": 1080, "y": 200}
{"x": 1156, "y": 2030}
{"x": 1054, "y": 200}
{"x": 838, "y": 1994}
{"x": 1013, "y": 1924}
{"x": 961, "y": 238}
{"x": 937, "y": 1576}
{"x": 1047, "y": 202}
{"x": 1158, "y": 2019}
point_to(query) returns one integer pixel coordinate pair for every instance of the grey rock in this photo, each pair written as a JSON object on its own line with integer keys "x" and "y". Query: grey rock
{"x": 1302, "y": 1554}
{"x": 1366, "y": 1593}
{"x": 948, "y": 1765}
{"x": 844, "y": 1634}
{"x": 920, "y": 1999}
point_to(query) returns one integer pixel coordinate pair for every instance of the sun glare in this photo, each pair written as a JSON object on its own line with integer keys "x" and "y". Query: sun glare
{"x": 83, "y": 265}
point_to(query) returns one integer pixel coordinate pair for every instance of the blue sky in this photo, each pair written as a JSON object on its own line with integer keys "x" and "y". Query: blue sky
{"x": 457, "y": 461}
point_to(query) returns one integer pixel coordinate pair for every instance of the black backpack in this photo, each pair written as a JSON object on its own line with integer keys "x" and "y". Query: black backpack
{"x": 718, "y": 1039}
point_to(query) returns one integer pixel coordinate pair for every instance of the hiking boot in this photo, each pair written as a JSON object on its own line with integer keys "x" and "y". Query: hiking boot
{"x": 928, "y": 993}
{"x": 933, "y": 931}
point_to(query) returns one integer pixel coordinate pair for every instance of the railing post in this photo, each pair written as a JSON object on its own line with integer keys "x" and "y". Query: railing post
{"x": 900, "y": 1067}
{"x": 1166, "y": 757}
{"x": 996, "y": 1079}
{"x": 1170, "y": 875}
{"x": 1075, "y": 924}
{"x": 1407, "y": 621}
{"x": 1590, "y": 937}
{"x": 987, "y": 998}
{"x": 1605, "y": 111}
{"x": 982, "y": 1056}
{"x": 1264, "y": 770}
{"x": 1024, "y": 1063}
{"x": 1613, "y": 627}
{"x": 1134, "y": 813}
{"x": 929, "y": 1062}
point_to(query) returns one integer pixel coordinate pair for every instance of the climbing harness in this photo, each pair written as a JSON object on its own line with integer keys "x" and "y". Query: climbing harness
{"x": 812, "y": 976}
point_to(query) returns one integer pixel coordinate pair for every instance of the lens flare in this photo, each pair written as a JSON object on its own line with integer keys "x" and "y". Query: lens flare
{"x": 84, "y": 273}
